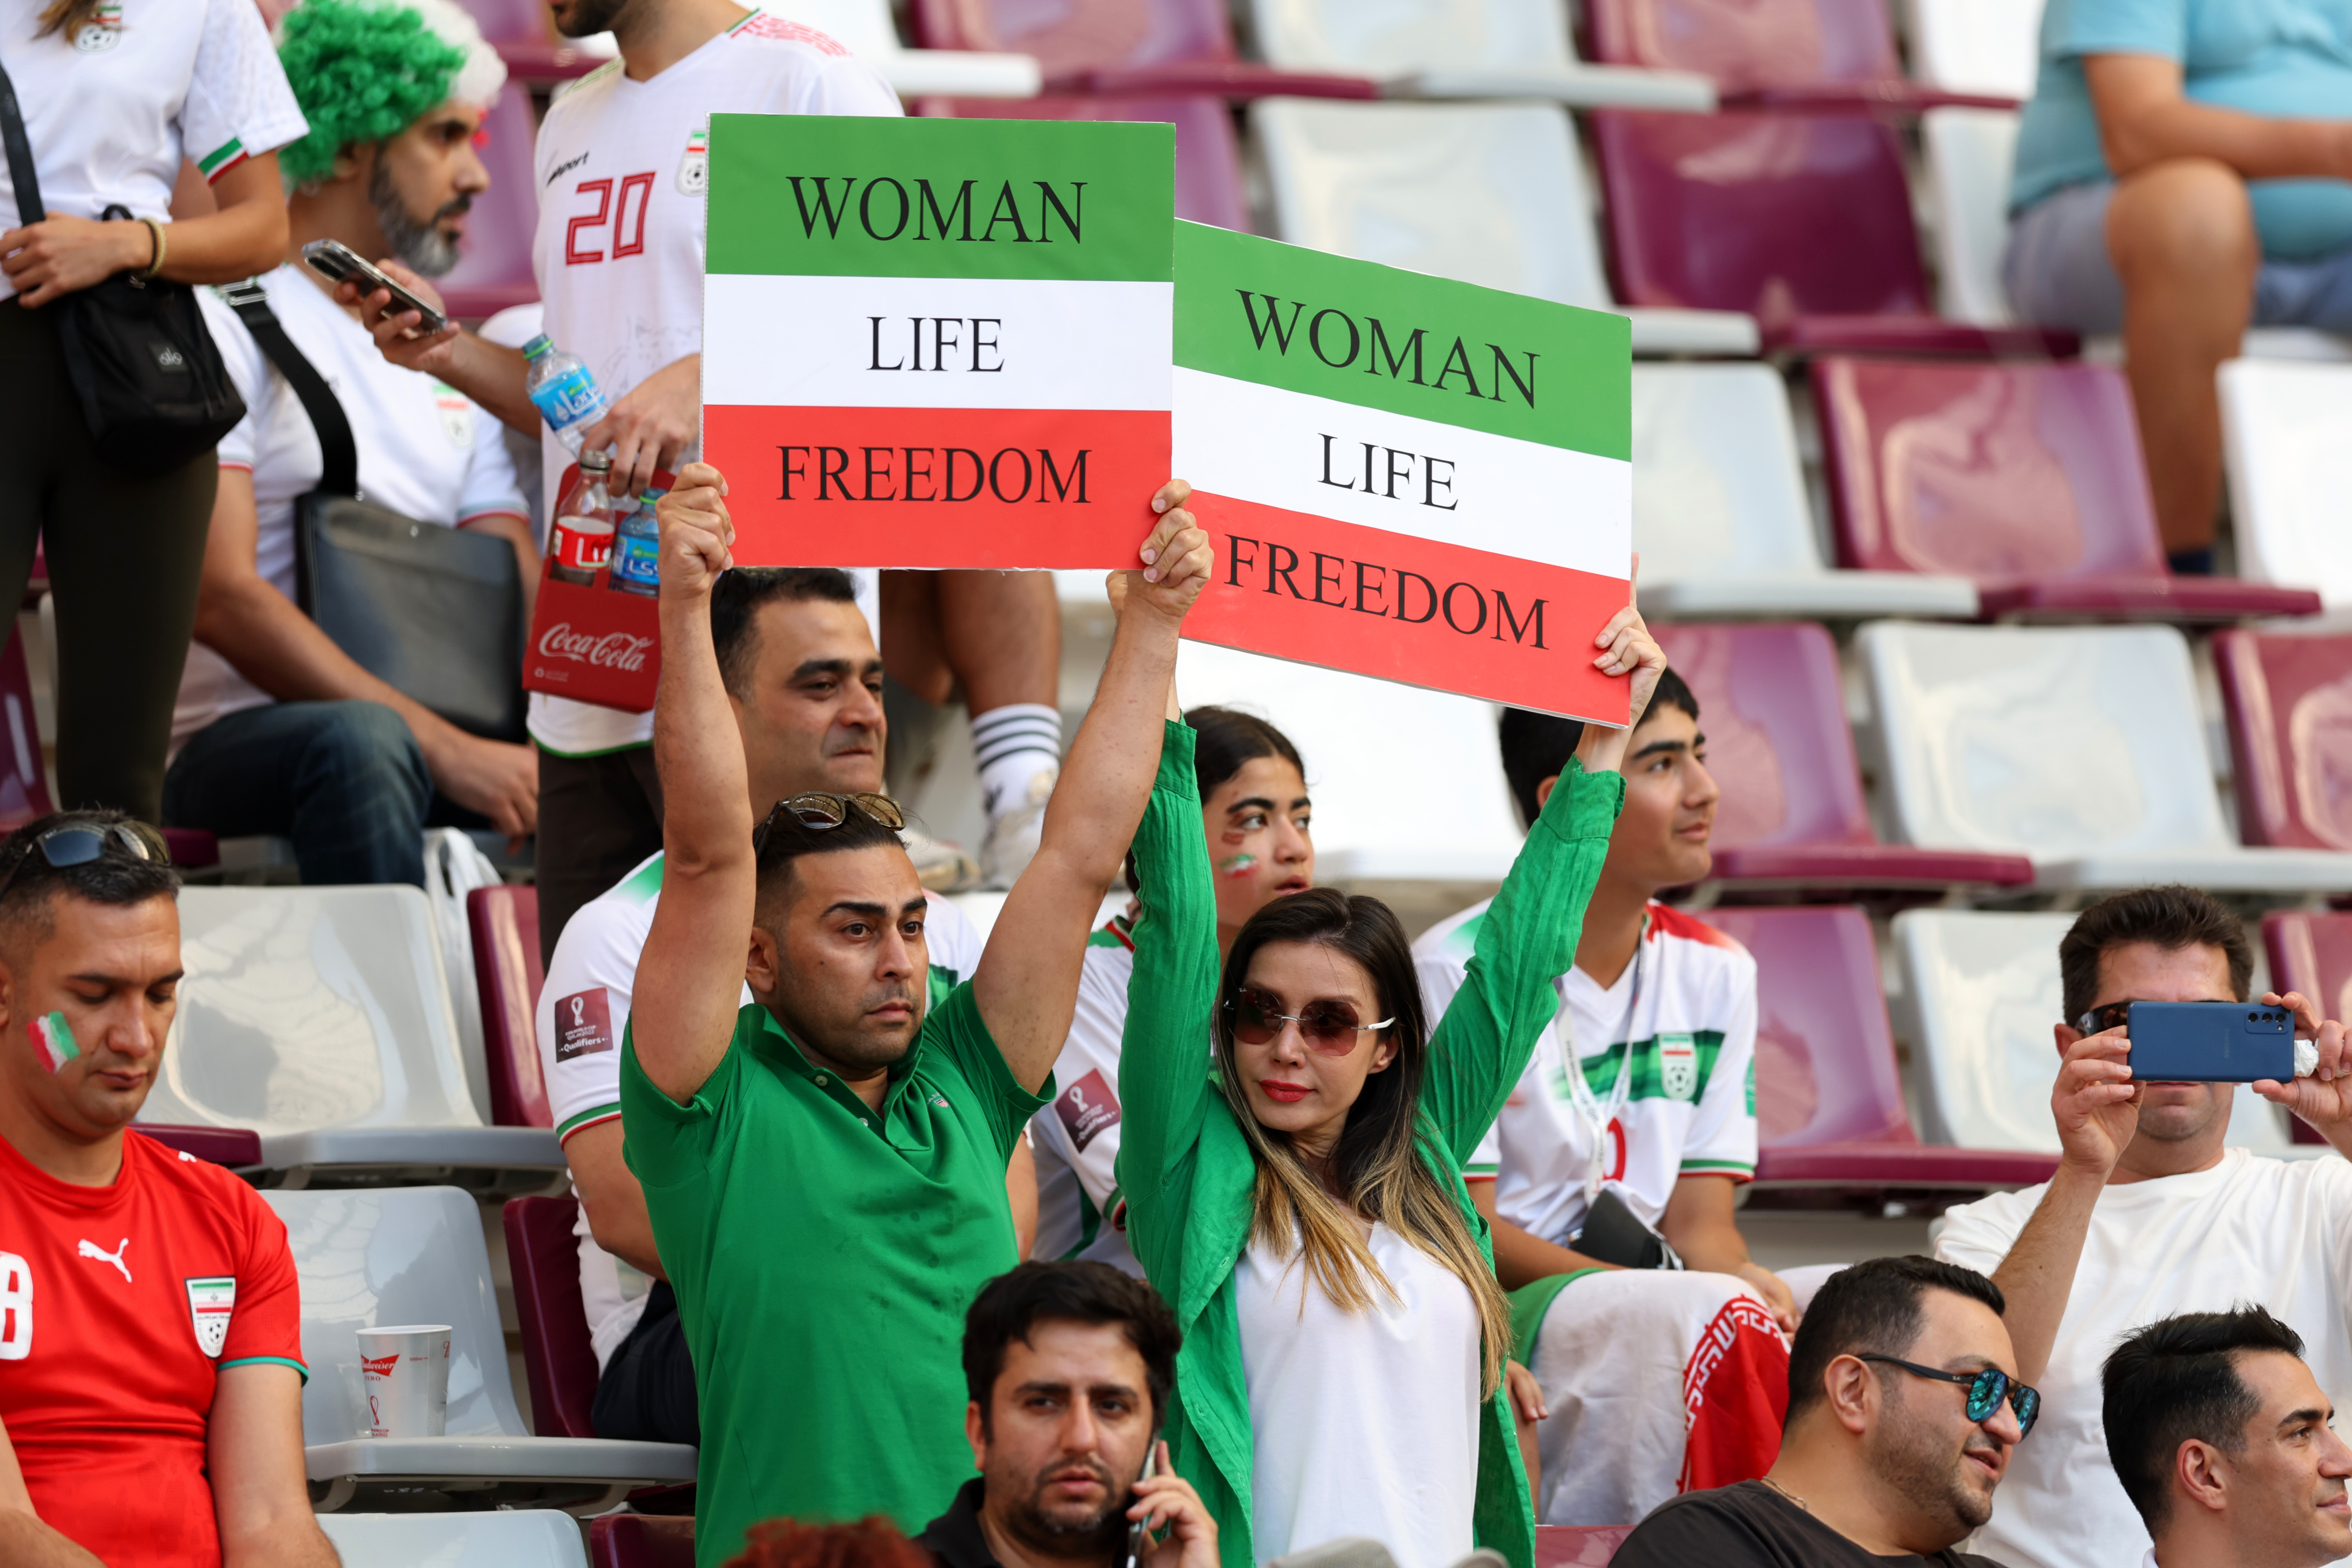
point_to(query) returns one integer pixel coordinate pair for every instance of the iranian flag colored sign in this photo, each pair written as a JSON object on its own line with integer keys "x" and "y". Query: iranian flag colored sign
{"x": 1404, "y": 476}
{"x": 937, "y": 342}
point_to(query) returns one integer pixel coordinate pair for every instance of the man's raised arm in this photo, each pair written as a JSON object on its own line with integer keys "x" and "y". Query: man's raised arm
{"x": 691, "y": 974}
{"x": 1027, "y": 983}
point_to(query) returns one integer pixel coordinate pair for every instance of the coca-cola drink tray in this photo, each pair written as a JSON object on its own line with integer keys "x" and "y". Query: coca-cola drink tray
{"x": 594, "y": 634}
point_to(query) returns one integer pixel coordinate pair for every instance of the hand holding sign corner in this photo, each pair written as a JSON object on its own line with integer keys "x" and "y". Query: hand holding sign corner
{"x": 1627, "y": 648}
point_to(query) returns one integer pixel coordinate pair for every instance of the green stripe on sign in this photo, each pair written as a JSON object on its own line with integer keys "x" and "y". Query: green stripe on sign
{"x": 858, "y": 196}
{"x": 1403, "y": 341}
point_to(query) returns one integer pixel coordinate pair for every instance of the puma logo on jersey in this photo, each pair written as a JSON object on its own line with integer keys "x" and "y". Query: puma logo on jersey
{"x": 91, "y": 1249}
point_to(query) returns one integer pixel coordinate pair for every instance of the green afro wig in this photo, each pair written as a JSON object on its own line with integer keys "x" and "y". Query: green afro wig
{"x": 363, "y": 72}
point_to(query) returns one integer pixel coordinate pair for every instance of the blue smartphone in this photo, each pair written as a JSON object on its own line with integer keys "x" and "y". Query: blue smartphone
{"x": 2210, "y": 1042}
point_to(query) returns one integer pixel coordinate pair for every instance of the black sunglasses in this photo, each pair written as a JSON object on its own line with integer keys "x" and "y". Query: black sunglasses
{"x": 820, "y": 810}
{"x": 1986, "y": 1389}
{"x": 2099, "y": 1020}
{"x": 78, "y": 844}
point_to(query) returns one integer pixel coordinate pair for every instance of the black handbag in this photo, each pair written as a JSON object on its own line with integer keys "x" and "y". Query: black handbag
{"x": 1614, "y": 1234}
{"x": 434, "y": 612}
{"x": 153, "y": 388}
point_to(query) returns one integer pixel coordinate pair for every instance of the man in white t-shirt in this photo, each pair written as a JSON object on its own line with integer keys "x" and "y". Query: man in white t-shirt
{"x": 1643, "y": 1088}
{"x": 2150, "y": 1215}
{"x": 806, "y": 685}
{"x": 277, "y": 730}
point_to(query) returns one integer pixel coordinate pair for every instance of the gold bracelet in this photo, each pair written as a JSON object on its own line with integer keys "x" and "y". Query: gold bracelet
{"x": 156, "y": 229}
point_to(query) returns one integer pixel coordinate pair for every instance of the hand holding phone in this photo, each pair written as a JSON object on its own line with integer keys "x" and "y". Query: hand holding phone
{"x": 2210, "y": 1042}
{"x": 333, "y": 259}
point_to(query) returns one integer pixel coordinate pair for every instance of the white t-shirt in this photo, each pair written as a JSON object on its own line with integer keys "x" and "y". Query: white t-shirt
{"x": 2277, "y": 1233}
{"x": 425, "y": 451}
{"x": 1080, "y": 1214}
{"x": 1361, "y": 1423}
{"x": 1688, "y": 1002}
{"x": 622, "y": 166}
{"x": 111, "y": 107}
{"x": 583, "y": 1009}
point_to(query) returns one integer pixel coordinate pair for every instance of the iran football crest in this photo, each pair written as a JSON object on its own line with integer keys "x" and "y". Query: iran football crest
{"x": 694, "y": 169}
{"x": 1679, "y": 1066}
{"x": 210, "y": 1303}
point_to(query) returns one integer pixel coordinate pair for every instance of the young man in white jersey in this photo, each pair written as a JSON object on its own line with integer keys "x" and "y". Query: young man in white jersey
{"x": 1641, "y": 1096}
{"x": 277, "y": 730}
{"x": 2151, "y": 1214}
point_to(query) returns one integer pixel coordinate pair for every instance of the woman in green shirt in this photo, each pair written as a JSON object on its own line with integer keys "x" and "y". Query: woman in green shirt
{"x": 1302, "y": 1204}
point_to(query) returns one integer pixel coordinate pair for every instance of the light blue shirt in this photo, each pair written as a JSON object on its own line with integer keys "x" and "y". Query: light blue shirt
{"x": 2291, "y": 59}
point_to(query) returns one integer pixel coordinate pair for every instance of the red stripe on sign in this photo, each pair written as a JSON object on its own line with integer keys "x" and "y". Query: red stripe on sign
{"x": 1403, "y": 608}
{"x": 938, "y": 487}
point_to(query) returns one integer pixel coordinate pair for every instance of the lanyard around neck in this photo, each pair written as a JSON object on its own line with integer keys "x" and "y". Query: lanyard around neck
{"x": 1588, "y": 1108}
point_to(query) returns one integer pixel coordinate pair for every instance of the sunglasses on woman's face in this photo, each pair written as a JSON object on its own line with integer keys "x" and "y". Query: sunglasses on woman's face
{"x": 1330, "y": 1029}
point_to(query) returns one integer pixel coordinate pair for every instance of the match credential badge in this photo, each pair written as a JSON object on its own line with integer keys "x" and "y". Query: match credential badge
{"x": 1679, "y": 1066}
{"x": 210, "y": 1304}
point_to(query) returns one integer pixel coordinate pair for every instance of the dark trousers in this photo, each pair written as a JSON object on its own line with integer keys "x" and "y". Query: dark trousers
{"x": 124, "y": 554}
{"x": 647, "y": 1394}
{"x": 598, "y": 817}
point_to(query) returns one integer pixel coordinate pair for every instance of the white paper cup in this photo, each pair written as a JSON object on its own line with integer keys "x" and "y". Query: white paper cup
{"x": 404, "y": 1374}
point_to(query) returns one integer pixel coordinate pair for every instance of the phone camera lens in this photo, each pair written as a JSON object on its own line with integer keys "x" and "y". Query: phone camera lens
{"x": 2252, "y": 1017}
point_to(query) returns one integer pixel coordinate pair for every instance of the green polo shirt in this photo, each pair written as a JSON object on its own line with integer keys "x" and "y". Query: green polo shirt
{"x": 824, "y": 1255}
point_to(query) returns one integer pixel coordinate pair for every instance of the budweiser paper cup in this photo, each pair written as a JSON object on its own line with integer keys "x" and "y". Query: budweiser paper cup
{"x": 406, "y": 1374}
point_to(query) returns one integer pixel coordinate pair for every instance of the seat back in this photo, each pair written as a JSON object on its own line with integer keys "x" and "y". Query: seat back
{"x": 2290, "y": 468}
{"x": 1991, "y": 46}
{"x": 1781, "y": 216}
{"x": 1080, "y": 35}
{"x": 1487, "y": 194}
{"x": 1718, "y": 488}
{"x": 511, "y": 21}
{"x": 506, "y": 971}
{"x": 1399, "y": 40}
{"x": 2289, "y": 702}
{"x": 1750, "y": 43}
{"x": 1578, "y": 1545}
{"x": 1970, "y": 154}
{"x": 387, "y": 1255}
{"x": 521, "y": 1537}
{"x": 1772, "y": 708}
{"x": 2050, "y": 742}
{"x": 1208, "y": 153}
{"x": 1990, "y": 471}
{"x": 1826, "y": 1069}
{"x": 558, "y": 1357}
{"x": 640, "y": 1541}
{"x": 2311, "y": 952}
{"x": 23, "y": 782}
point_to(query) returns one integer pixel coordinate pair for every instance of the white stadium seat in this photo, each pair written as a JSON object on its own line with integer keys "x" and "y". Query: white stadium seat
{"x": 866, "y": 28}
{"x": 2283, "y": 426}
{"x": 1488, "y": 193}
{"x": 2081, "y": 747}
{"x": 1987, "y": 47}
{"x": 1720, "y": 516}
{"x": 521, "y": 1537}
{"x": 415, "y": 1254}
{"x": 1981, "y": 993}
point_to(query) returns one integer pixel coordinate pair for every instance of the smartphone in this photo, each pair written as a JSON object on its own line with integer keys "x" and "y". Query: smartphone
{"x": 333, "y": 259}
{"x": 1139, "y": 1540}
{"x": 2210, "y": 1042}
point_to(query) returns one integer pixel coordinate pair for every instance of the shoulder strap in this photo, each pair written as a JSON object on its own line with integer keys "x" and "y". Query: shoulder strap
{"x": 339, "y": 470}
{"x": 20, "y": 156}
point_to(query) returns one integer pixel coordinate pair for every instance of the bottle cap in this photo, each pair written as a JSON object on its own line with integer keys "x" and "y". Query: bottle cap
{"x": 539, "y": 346}
{"x": 597, "y": 460}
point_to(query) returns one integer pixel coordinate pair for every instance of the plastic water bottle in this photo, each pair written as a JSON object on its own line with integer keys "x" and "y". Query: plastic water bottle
{"x": 583, "y": 529}
{"x": 636, "y": 549}
{"x": 567, "y": 397}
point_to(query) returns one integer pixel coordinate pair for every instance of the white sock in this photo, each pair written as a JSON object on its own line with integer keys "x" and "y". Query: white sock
{"x": 1013, "y": 745}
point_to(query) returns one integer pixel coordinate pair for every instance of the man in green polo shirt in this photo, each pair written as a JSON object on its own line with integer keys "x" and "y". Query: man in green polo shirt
{"x": 824, "y": 1169}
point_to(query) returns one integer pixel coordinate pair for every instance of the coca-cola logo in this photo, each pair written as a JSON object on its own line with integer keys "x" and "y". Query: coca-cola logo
{"x": 612, "y": 650}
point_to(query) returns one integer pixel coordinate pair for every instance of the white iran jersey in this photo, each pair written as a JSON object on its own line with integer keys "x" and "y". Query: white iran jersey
{"x": 1690, "y": 1092}
{"x": 584, "y": 1011}
{"x": 2273, "y": 1232}
{"x": 622, "y": 166}
{"x": 1080, "y": 1214}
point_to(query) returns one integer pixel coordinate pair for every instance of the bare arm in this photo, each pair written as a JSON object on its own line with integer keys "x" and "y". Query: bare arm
{"x": 246, "y": 234}
{"x": 492, "y": 376}
{"x": 1027, "y": 983}
{"x": 1520, "y": 1258}
{"x": 610, "y": 1191}
{"x": 253, "y": 1455}
{"x": 25, "y": 1541}
{"x": 1021, "y": 1193}
{"x": 2145, "y": 118}
{"x": 518, "y": 533}
{"x": 1699, "y": 1224}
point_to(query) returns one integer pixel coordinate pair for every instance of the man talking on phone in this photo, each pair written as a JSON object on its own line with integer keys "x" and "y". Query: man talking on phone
{"x": 2150, "y": 1215}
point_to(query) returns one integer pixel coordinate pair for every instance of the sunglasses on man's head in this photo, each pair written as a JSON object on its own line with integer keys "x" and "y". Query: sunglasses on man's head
{"x": 1987, "y": 1389}
{"x": 819, "y": 810}
{"x": 78, "y": 844}
{"x": 1330, "y": 1029}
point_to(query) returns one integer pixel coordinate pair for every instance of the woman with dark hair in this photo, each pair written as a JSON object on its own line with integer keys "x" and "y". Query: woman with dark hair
{"x": 1303, "y": 1205}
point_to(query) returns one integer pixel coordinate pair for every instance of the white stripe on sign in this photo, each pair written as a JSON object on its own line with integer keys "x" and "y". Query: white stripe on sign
{"x": 1432, "y": 481}
{"x": 943, "y": 343}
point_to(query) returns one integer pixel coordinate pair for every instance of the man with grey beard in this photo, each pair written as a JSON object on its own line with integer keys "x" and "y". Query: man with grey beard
{"x": 278, "y": 730}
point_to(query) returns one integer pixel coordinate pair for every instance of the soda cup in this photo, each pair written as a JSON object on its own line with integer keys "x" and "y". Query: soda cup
{"x": 404, "y": 1373}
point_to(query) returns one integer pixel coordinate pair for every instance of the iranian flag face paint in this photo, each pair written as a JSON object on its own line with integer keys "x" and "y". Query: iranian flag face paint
{"x": 935, "y": 342}
{"x": 54, "y": 1038}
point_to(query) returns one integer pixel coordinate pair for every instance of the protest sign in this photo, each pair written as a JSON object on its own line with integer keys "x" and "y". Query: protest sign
{"x": 1404, "y": 476}
{"x": 937, "y": 342}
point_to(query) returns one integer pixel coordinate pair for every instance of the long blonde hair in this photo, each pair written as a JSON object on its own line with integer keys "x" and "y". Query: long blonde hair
{"x": 1378, "y": 1165}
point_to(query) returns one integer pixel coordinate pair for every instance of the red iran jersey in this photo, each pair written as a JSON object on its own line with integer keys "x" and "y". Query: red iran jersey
{"x": 119, "y": 1308}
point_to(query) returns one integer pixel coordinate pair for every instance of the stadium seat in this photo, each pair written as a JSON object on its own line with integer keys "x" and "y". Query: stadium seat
{"x": 1828, "y": 1095}
{"x": 635, "y": 1541}
{"x": 519, "y": 1537}
{"x": 1803, "y": 220}
{"x": 23, "y": 782}
{"x": 1983, "y": 995}
{"x": 2027, "y": 478}
{"x": 494, "y": 270}
{"x": 1720, "y": 514}
{"x": 2081, "y": 747}
{"x": 1773, "y": 707}
{"x": 1489, "y": 194}
{"x": 1208, "y": 154}
{"x": 415, "y": 1254}
{"x": 1987, "y": 47}
{"x": 1578, "y": 1545}
{"x": 320, "y": 1018}
{"x": 1466, "y": 48}
{"x": 1150, "y": 46}
{"x": 504, "y": 922}
{"x": 543, "y": 1256}
{"x": 1824, "y": 56}
{"x": 2311, "y": 953}
{"x": 2290, "y": 468}
{"x": 2289, "y": 702}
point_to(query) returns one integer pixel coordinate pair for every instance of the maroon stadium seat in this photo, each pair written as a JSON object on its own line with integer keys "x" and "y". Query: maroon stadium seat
{"x": 192, "y": 849}
{"x": 1578, "y": 1546}
{"x": 1829, "y": 1096}
{"x": 505, "y": 924}
{"x": 24, "y": 782}
{"x": 2311, "y": 953}
{"x": 1208, "y": 155}
{"x": 1826, "y": 55}
{"x": 543, "y": 1256}
{"x": 2026, "y": 478}
{"x": 231, "y": 1146}
{"x": 494, "y": 270}
{"x": 1802, "y": 221}
{"x": 1152, "y": 47}
{"x": 1773, "y": 711}
{"x": 635, "y": 1541}
{"x": 2289, "y": 700}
